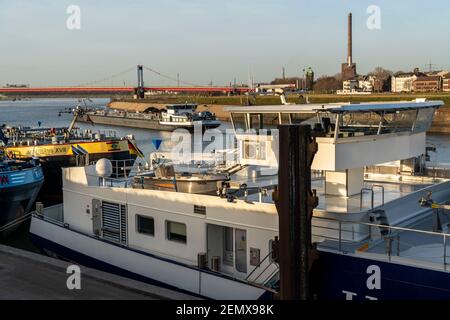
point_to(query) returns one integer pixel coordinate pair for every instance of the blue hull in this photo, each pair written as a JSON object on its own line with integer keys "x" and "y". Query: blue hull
{"x": 339, "y": 276}
{"x": 18, "y": 191}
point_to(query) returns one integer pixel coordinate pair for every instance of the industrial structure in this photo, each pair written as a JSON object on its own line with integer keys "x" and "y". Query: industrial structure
{"x": 349, "y": 67}
{"x": 309, "y": 79}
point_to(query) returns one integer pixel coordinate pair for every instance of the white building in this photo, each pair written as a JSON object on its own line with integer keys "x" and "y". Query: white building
{"x": 361, "y": 86}
{"x": 403, "y": 82}
{"x": 367, "y": 84}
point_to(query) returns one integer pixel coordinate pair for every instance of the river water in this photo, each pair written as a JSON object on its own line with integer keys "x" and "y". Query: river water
{"x": 33, "y": 112}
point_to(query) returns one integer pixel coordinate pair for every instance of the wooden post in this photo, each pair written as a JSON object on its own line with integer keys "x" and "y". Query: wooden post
{"x": 295, "y": 202}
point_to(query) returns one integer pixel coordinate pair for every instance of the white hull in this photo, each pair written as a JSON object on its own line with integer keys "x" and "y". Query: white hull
{"x": 183, "y": 277}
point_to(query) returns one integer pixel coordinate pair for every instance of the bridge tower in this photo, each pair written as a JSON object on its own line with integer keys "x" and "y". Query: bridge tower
{"x": 139, "y": 91}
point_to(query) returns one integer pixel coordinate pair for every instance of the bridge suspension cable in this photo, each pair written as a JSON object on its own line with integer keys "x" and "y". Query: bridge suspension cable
{"x": 87, "y": 84}
{"x": 116, "y": 75}
{"x": 170, "y": 78}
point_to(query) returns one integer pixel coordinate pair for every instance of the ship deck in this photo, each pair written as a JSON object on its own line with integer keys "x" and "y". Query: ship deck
{"x": 385, "y": 188}
{"x": 418, "y": 245}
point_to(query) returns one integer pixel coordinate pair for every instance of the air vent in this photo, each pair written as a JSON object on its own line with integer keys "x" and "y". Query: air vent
{"x": 199, "y": 209}
{"x": 114, "y": 222}
{"x": 123, "y": 225}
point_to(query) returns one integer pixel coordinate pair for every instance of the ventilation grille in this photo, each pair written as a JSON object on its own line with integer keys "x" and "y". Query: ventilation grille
{"x": 114, "y": 222}
{"x": 123, "y": 224}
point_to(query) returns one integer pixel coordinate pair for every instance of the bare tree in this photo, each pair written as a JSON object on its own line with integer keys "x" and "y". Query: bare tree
{"x": 328, "y": 84}
{"x": 381, "y": 73}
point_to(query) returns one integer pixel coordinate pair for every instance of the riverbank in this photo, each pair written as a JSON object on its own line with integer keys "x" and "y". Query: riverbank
{"x": 216, "y": 104}
{"x": 36, "y": 277}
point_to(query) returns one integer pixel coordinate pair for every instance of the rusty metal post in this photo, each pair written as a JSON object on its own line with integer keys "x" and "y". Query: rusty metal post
{"x": 295, "y": 202}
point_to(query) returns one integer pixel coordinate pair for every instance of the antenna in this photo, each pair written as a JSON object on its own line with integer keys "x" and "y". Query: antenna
{"x": 430, "y": 66}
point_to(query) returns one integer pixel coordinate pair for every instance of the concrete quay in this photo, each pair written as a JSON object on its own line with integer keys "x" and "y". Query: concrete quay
{"x": 30, "y": 276}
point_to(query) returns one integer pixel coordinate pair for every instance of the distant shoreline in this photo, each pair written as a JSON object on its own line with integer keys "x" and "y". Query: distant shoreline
{"x": 216, "y": 104}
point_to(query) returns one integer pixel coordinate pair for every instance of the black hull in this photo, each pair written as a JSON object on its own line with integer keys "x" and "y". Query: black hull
{"x": 51, "y": 192}
{"x": 16, "y": 202}
{"x": 138, "y": 123}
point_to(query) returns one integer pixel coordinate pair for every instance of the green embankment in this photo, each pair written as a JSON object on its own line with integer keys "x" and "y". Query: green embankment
{"x": 441, "y": 122}
{"x": 271, "y": 100}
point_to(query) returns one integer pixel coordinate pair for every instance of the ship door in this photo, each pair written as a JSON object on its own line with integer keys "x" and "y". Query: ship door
{"x": 230, "y": 245}
{"x": 97, "y": 217}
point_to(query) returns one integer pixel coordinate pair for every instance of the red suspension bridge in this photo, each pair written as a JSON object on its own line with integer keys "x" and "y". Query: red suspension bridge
{"x": 140, "y": 89}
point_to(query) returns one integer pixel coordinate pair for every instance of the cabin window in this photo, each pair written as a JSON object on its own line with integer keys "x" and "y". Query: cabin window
{"x": 270, "y": 120}
{"x": 255, "y": 121}
{"x": 176, "y": 231}
{"x": 146, "y": 225}
{"x": 254, "y": 150}
{"x": 404, "y": 120}
{"x": 424, "y": 119}
{"x": 239, "y": 121}
{"x": 285, "y": 118}
{"x": 302, "y": 117}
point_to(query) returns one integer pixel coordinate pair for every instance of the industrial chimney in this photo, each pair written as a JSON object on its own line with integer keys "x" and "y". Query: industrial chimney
{"x": 349, "y": 67}
{"x": 350, "y": 40}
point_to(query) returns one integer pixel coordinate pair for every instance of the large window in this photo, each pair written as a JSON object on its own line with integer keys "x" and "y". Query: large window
{"x": 176, "y": 231}
{"x": 302, "y": 117}
{"x": 146, "y": 225}
{"x": 424, "y": 119}
{"x": 239, "y": 121}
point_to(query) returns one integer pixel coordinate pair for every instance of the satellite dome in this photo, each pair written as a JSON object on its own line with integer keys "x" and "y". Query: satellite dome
{"x": 104, "y": 168}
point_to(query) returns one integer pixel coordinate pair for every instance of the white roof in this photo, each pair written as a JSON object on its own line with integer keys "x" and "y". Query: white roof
{"x": 336, "y": 107}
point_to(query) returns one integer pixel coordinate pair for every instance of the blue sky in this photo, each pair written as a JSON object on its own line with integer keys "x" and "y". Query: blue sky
{"x": 212, "y": 40}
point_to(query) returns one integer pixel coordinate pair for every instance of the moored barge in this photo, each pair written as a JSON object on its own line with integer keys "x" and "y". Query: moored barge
{"x": 175, "y": 116}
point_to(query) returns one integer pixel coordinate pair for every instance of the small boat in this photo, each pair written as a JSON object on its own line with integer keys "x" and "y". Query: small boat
{"x": 20, "y": 182}
{"x": 174, "y": 116}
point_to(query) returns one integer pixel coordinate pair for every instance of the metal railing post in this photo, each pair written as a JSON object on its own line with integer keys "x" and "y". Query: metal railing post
{"x": 382, "y": 191}
{"x": 389, "y": 247}
{"x": 372, "y": 200}
{"x": 445, "y": 252}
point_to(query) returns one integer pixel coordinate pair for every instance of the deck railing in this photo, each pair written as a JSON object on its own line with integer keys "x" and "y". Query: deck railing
{"x": 400, "y": 242}
{"x": 122, "y": 173}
